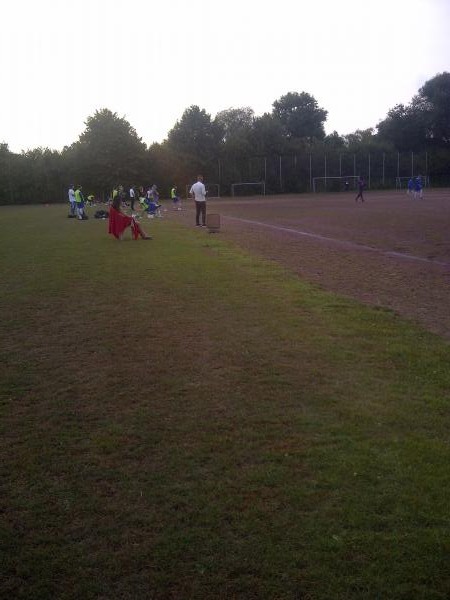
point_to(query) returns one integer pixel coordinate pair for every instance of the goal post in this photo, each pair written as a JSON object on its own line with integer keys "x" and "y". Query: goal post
{"x": 251, "y": 188}
{"x": 335, "y": 184}
{"x": 212, "y": 190}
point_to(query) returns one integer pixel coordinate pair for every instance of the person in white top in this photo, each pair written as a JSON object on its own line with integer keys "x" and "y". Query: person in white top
{"x": 132, "y": 194}
{"x": 198, "y": 190}
{"x": 72, "y": 212}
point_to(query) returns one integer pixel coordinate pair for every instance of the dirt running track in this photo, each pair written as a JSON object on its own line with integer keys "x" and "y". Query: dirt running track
{"x": 392, "y": 251}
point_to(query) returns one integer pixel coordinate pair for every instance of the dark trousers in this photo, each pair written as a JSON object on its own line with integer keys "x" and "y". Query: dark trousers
{"x": 200, "y": 209}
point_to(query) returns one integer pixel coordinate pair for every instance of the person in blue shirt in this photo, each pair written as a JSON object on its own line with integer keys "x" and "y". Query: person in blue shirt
{"x": 410, "y": 188}
{"x": 418, "y": 187}
{"x": 151, "y": 204}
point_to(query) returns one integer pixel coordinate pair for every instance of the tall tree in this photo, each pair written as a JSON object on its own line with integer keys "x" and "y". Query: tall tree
{"x": 268, "y": 135}
{"x": 235, "y": 126}
{"x": 195, "y": 136}
{"x": 407, "y": 126}
{"x": 436, "y": 92}
{"x": 301, "y": 116}
{"x": 108, "y": 152}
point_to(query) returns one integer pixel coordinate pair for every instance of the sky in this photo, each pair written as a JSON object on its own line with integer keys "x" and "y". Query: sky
{"x": 149, "y": 60}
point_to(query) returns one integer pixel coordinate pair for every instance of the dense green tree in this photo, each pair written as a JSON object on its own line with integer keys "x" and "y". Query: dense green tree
{"x": 334, "y": 141}
{"x": 45, "y": 174}
{"x": 300, "y": 116}
{"x": 406, "y": 127}
{"x": 195, "y": 136}
{"x": 268, "y": 135}
{"x": 108, "y": 152}
{"x": 435, "y": 94}
{"x": 235, "y": 126}
{"x": 6, "y": 195}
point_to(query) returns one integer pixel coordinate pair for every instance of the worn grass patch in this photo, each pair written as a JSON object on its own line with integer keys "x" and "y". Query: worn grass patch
{"x": 180, "y": 420}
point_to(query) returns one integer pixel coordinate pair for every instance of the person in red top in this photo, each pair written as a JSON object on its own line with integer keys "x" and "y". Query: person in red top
{"x": 119, "y": 221}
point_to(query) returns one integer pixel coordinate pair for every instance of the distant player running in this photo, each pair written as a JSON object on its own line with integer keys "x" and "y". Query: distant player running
{"x": 361, "y": 186}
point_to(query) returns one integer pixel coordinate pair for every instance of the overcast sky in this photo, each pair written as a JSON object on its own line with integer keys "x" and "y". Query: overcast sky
{"x": 149, "y": 60}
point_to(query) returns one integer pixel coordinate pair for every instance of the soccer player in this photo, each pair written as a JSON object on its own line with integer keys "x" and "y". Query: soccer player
{"x": 79, "y": 199}
{"x": 410, "y": 189}
{"x": 198, "y": 190}
{"x": 175, "y": 198}
{"x": 418, "y": 187}
{"x": 361, "y": 186}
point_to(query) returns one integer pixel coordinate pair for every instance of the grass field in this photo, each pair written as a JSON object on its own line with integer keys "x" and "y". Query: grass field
{"x": 181, "y": 419}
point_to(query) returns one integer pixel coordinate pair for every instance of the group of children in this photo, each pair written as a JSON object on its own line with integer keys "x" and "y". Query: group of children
{"x": 148, "y": 199}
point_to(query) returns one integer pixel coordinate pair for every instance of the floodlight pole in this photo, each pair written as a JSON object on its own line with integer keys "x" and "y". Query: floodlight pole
{"x": 281, "y": 183}
{"x": 398, "y": 165}
{"x": 310, "y": 172}
{"x": 325, "y": 159}
{"x": 265, "y": 168}
{"x": 340, "y": 165}
{"x": 383, "y": 169}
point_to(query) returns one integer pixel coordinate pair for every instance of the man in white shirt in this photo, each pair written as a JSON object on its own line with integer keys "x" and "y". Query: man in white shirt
{"x": 132, "y": 197}
{"x": 198, "y": 190}
{"x": 72, "y": 212}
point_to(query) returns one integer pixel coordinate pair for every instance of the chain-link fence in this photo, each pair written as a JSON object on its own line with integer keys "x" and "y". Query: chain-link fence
{"x": 296, "y": 173}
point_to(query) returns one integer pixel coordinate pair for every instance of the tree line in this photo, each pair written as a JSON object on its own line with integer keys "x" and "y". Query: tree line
{"x": 235, "y": 145}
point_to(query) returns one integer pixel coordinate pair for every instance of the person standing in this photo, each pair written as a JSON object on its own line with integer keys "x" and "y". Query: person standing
{"x": 175, "y": 198}
{"x": 361, "y": 186}
{"x": 141, "y": 193}
{"x": 410, "y": 189}
{"x": 418, "y": 187}
{"x": 79, "y": 199}
{"x": 132, "y": 194}
{"x": 198, "y": 190}
{"x": 72, "y": 200}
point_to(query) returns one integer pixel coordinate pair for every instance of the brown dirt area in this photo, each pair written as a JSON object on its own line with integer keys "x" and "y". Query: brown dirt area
{"x": 391, "y": 251}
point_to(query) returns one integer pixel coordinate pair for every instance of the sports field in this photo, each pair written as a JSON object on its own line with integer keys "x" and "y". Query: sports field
{"x": 393, "y": 251}
{"x": 203, "y": 416}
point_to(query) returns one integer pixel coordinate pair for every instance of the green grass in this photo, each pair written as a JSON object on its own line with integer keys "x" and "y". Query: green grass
{"x": 181, "y": 420}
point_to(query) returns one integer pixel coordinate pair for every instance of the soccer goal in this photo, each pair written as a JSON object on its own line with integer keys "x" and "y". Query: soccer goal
{"x": 335, "y": 184}
{"x": 254, "y": 188}
{"x": 212, "y": 190}
{"x": 401, "y": 183}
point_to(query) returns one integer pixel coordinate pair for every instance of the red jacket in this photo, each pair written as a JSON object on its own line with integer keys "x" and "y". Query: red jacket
{"x": 118, "y": 222}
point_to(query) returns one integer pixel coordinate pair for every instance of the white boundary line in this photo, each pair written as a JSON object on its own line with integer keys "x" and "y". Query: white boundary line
{"x": 342, "y": 243}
